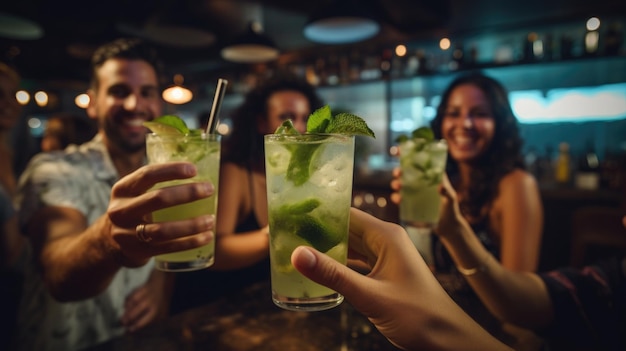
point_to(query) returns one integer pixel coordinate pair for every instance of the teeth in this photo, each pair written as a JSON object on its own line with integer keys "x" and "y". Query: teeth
{"x": 137, "y": 122}
{"x": 463, "y": 140}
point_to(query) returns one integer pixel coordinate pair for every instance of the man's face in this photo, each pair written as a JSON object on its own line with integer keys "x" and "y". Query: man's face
{"x": 125, "y": 96}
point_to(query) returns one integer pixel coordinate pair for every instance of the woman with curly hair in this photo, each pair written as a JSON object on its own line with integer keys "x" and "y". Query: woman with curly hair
{"x": 499, "y": 199}
{"x": 242, "y": 233}
{"x": 497, "y": 196}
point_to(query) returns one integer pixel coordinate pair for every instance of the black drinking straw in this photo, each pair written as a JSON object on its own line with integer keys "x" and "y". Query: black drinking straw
{"x": 217, "y": 104}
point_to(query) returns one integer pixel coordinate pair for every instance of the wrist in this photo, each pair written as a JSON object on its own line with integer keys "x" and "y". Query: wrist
{"x": 481, "y": 268}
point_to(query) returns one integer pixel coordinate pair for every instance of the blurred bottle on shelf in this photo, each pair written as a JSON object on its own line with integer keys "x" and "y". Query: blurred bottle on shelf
{"x": 592, "y": 42}
{"x": 548, "y": 47}
{"x": 533, "y": 48}
{"x": 612, "y": 171}
{"x": 344, "y": 69}
{"x": 422, "y": 62}
{"x": 562, "y": 171}
{"x": 332, "y": 70}
{"x": 355, "y": 66}
{"x": 412, "y": 65}
{"x": 458, "y": 57}
{"x": 567, "y": 47}
{"x": 472, "y": 57}
{"x": 311, "y": 75}
{"x": 531, "y": 159}
{"x": 544, "y": 167}
{"x": 613, "y": 39}
{"x": 398, "y": 65}
{"x": 371, "y": 68}
{"x": 385, "y": 63}
{"x": 588, "y": 172}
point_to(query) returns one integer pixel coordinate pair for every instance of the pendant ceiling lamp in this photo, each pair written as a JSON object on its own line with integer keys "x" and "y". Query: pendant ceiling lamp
{"x": 177, "y": 94}
{"x": 341, "y": 22}
{"x": 253, "y": 46}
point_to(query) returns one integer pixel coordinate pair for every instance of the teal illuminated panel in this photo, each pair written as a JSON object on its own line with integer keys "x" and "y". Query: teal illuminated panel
{"x": 584, "y": 104}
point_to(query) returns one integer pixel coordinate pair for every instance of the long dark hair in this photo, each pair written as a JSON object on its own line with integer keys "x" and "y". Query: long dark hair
{"x": 244, "y": 146}
{"x": 501, "y": 157}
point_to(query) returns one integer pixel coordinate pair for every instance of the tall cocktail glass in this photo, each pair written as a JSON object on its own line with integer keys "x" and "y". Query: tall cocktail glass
{"x": 423, "y": 163}
{"x": 203, "y": 150}
{"x": 309, "y": 190}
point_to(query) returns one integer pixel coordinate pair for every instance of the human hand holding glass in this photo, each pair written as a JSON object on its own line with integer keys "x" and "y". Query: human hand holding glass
{"x": 131, "y": 206}
{"x": 204, "y": 151}
{"x": 400, "y": 295}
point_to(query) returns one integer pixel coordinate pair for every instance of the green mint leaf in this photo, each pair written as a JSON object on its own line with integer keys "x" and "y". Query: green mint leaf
{"x": 298, "y": 169}
{"x": 402, "y": 139}
{"x": 347, "y": 123}
{"x": 286, "y": 127}
{"x": 424, "y": 133}
{"x": 318, "y": 120}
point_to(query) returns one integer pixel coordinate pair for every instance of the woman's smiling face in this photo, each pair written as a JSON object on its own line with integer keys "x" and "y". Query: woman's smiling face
{"x": 468, "y": 124}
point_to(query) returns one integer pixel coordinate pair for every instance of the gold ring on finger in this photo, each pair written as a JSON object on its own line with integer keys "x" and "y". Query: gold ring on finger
{"x": 141, "y": 233}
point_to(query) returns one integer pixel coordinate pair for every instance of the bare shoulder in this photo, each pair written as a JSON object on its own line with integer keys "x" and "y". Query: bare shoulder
{"x": 518, "y": 179}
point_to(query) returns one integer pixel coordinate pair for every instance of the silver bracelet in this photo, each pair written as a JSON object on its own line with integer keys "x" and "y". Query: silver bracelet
{"x": 472, "y": 271}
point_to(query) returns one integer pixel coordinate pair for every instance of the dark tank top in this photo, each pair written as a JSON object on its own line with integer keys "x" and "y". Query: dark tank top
{"x": 201, "y": 287}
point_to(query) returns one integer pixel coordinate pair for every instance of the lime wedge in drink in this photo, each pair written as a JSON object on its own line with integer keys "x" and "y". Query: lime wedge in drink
{"x": 316, "y": 233}
{"x": 299, "y": 208}
{"x": 308, "y": 228}
{"x": 297, "y": 219}
{"x": 167, "y": 125}
{"x": 171, "y": 125}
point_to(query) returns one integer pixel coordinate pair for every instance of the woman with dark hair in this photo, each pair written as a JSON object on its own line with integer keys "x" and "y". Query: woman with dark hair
{"x": 244, "y": 210}
{"x": 497, "y": 196}
{"x": 242, "y": 240}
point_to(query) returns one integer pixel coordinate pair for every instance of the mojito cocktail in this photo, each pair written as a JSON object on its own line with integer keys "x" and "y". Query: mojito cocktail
{"x": 309, "y": 190}
{"x": 203, "y": 150}
{"x": 423, "y": 163}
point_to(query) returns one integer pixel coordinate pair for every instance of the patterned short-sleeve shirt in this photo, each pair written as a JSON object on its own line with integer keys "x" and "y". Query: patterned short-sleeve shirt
{"x": 80, "y": 177}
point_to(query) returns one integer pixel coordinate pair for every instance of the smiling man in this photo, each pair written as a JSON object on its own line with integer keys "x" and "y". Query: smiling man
{"x": 91, "y": 279}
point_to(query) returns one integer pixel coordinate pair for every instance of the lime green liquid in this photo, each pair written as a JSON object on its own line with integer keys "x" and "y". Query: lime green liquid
{"x": 202, "y": 256}
{"x": 423, "y": 165}
{"x": 204, "y": 152}
{"x": 326, "y": 226}
{"x": 420, "y": 206}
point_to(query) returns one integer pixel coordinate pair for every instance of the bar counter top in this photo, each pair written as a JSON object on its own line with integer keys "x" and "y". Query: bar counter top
{"x": 249, "y": 321}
